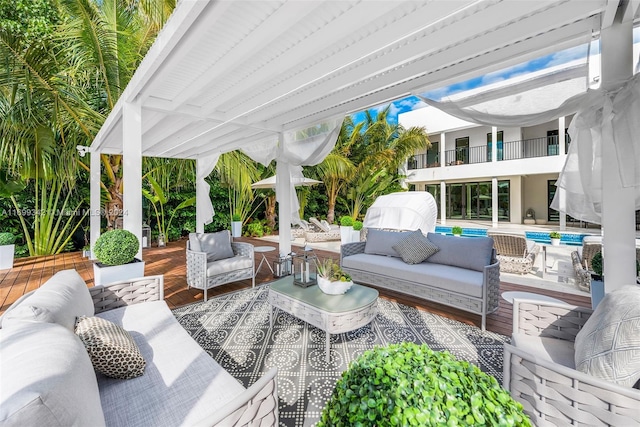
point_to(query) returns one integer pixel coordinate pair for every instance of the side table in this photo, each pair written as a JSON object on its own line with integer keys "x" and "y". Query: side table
{"x": 262, "y": 250}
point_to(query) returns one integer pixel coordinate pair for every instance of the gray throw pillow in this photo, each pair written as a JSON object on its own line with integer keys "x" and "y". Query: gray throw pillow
{"x": 472, "y": 253}
{"x": 111, "y": 349}
{"x": 216, "y": 245}
{"x": 608, "y": 345}
{"x": 381, "y": 242}
{"x": 415, "y": 248}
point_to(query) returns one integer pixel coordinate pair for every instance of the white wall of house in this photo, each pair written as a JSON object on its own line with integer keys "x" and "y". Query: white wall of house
{"x": 534, "y": 191}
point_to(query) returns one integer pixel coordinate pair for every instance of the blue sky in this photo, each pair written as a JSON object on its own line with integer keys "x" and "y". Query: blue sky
{"x": 413, "y": 102}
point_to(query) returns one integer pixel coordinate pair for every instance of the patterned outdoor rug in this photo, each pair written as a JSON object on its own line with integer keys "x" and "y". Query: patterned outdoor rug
{"x": 234, "y": 330}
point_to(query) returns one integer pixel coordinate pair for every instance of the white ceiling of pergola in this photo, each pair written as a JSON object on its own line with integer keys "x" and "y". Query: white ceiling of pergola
{"x": 224, "y": 74}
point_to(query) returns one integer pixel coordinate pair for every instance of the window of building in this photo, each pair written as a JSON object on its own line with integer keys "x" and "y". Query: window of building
{"x": 433, "y": 154}
{"x": 500, "y": 145}
{"x": 473, "y": 200}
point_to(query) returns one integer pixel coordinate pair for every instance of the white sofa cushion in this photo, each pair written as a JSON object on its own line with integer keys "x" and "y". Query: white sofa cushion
{"x": 181, "y": 385}
{"x": 61, "y": 299}
{"x": 228, "y": 265}
{"x": 608, "y": 345}
{"x": 454, "y": 279}
{"x": 47, "y": 378}
{"x": 552, "y": 349}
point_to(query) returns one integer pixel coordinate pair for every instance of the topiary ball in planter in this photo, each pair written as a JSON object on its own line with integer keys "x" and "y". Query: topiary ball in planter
{"x": 7, "y": 239}
{"x": 116, "y": 247}
{"x": 410, "y": 384}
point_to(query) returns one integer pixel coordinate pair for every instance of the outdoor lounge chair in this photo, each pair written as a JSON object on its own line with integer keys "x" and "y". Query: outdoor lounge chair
{"x": 540, "y": 370}
{"x": 581, "y": 259}
{"x": 515, "y": 252}
{"x": 327, "y": 232}
{"x": 213, "y": 260}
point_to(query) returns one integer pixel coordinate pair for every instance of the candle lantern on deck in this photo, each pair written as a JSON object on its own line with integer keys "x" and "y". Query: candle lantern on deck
{"x": 146, "y": 235}
{"x": 282, "y": 265}
{"x": 304, "y": 268}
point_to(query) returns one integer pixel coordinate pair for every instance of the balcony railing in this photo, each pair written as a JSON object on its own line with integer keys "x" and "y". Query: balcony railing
{"x": 511, "y": 150}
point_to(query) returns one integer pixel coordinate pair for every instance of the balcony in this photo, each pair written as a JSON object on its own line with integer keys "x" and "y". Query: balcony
{"x": 510, "y": 150}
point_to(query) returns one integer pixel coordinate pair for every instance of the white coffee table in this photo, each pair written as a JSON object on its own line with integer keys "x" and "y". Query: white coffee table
{"x": 334, "y": 314}
{"x": 511, "y": 295}
{"x": 262, "y": 250}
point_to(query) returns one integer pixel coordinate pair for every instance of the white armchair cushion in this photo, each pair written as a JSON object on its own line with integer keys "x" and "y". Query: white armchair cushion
{"x": 47, "y": 378}
{"x": 61, "y": 299}
{"x": 227, "y": 265}
{"x": 608, "y": 345}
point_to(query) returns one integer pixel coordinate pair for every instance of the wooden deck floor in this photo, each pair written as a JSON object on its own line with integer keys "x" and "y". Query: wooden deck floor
{"x": 30, "y": 273}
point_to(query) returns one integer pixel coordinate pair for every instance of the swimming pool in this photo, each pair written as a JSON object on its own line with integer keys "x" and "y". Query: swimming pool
{"x": 571, "y": 239}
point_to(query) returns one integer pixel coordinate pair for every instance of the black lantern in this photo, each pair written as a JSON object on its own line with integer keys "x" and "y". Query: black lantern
{"x": 146, "y": 235}
{"x": 304, "y": 268}
{"x": 282, "y": 265}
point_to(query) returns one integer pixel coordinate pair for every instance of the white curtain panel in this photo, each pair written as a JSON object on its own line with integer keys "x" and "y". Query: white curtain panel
{"x": 204, "y": 207}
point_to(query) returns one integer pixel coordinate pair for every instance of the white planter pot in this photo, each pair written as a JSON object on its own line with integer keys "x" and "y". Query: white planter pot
{"x": 6, "y": 256}
{"x": 105, "y": 274}
{"x": 333, "y": 288}
{"x": 236, "y": 228}
{"x": 355, "y": 236}
{"x": 555, "y": 242}
{"x": 346, "y": 233}
{"x": 597, "y": 292}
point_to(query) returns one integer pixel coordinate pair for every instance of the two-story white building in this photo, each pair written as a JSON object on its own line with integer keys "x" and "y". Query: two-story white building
{"x": 473, "y": 179}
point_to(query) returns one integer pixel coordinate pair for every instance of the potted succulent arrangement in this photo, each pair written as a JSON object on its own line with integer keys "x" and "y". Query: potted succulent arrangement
{"x": 357, "y": 228}
{"x": 410, "y": 384}
{"x": 331, "y": 278}
{"x": 346, "y": 229}
{"x": 597, "y": 279}
{"x": 7, "y": 250}
{"x": 236, "y": 225}
{"x": 555, "y": 238}
{"x": 456, "y": 230}
{"x": 115, "y": 251}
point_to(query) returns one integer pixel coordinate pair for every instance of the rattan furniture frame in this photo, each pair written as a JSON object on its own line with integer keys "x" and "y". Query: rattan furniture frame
{"x": 515, "y": 253}
{"x": 331, "y": 321}
{"x": 198, "y": 278}
{"x": 557, "y": 395}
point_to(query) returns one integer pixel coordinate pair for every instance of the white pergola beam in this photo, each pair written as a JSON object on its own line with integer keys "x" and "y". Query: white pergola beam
{"x": 132, "y": 170}
{"x": 94, "y": 199}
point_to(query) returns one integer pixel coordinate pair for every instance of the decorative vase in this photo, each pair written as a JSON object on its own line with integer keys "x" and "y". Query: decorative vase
{"x": 555, "y": 242}
{"x": 355, "y": 236}
{"x": 6, "y": 256}
{"x": 236, "y": 228}
{"x": 333, "y": 287}
{"x": 346, "y": 233}
{"x": 105, "y": 274}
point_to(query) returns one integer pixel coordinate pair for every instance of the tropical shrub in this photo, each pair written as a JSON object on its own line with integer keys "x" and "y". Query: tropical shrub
{"x": 597, "y": 263}
{"x": 357, "y": 225}
{"x": 410, "y": 384}
{"x": 346, "y": 221}
{"x": 116, "y": 247}
{"x": 255, "y": 229}
{"x": 7, "y": 239}
{"x": 456, "y": 230}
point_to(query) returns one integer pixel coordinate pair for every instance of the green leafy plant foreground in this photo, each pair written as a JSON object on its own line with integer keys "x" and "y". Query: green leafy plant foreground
{"x": 411, "y": 385}
{"x": 116, "y": 247}
{"x": 7, "y": 239}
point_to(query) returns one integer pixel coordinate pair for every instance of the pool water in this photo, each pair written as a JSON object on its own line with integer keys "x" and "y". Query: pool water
{"x": 571, "y": 239}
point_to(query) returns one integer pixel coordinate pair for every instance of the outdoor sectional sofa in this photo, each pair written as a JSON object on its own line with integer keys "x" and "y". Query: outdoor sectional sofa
{"x": 463, "y": 273}
{"x": 48, "y": 378}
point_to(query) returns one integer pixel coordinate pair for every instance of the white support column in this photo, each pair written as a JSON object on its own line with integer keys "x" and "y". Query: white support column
{"x": 443, "y": 143}
{"x": 494, "y": 199}
{"x": 618, "y": 203}
{"x": 94, "y": 199}
{"x": 494, "y": 145}
{"x": 132, "y": 169}
{"x": 200, "y": 191}
{"x": 562, "y": 200}
{"x": 562, "y": 137}
{"x": 443, "y": 202}
{"x": 283, "y": 196}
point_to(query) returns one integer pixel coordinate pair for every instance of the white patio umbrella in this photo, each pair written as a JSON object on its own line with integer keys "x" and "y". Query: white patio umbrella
{"x": 271, "y": 182}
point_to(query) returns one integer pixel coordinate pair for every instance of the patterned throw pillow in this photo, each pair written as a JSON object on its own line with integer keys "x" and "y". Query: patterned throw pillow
{"x": 608, "y": 345}
{"x": 415, "y": 248}
{"x": 112, "y": 349}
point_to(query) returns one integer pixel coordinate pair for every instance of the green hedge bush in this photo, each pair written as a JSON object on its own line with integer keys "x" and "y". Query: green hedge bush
{"x": 346, "y": 221}
{"x": 7, "y": 238}
{"x": 411, "y": 385}
{"x": 116, "y": 247}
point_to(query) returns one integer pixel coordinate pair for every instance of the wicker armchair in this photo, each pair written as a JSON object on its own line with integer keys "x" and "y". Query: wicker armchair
{"x": 204, "y": 274}
{"x": 581, "y": 260}
{"x": 515, "y": 253}
{"x": 539, "y": 371}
